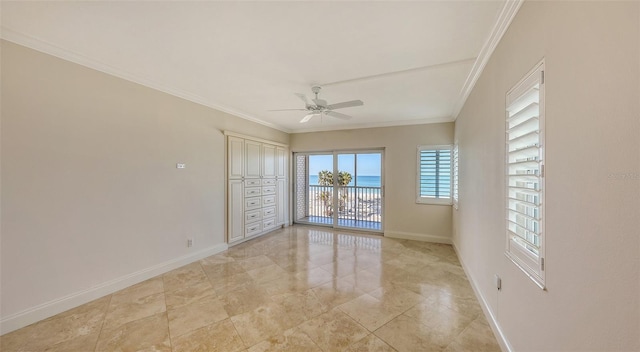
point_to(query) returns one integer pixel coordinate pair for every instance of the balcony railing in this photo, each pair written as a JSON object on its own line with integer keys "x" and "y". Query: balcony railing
{"x": 354, "y": 203}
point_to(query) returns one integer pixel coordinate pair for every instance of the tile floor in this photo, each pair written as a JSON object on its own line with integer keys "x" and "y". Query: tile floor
{"x": 296, "y": 289}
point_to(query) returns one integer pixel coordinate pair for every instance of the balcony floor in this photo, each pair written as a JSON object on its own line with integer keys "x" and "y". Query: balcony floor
{"x": 350, "y": 223}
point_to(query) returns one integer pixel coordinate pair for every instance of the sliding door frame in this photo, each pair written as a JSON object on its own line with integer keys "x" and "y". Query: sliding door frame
{"x": 335, "y": 223}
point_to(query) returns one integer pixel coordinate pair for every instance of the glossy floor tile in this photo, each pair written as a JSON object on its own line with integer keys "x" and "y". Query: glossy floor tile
{"x": 295, "y": 289}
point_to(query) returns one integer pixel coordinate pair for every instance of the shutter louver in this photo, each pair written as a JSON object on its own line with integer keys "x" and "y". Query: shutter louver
{"x": 435, "y": 173}
{"x": 434, "y": 176}
{"x": 524, "y": 174}
{"x": 523, "y": 138}
{"x": 455, "y": 175}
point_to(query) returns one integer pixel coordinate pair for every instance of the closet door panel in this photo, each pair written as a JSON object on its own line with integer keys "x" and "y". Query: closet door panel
{"x": 253, "y": 162}
{"x": 268, "y": 160}
{"x": 235, "y": 148}
{"x": 281, "y": 201}
{"x": 281, "y": 162}
{"x": 235, "y": 221}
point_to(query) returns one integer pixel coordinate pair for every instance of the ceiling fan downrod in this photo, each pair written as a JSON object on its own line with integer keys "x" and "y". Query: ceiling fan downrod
{"x": 316, "y": 90}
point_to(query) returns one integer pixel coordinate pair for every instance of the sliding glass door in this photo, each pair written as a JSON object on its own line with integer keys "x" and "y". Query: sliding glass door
{"x": 320, "y": 189}
{"x": 340, "y": 189}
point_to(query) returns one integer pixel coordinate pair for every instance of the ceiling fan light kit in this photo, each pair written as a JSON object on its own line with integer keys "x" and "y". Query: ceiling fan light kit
{"x": 317, "y": 106}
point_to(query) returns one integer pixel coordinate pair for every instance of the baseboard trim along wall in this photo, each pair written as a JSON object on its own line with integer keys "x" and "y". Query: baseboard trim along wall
{"x": 418, "y": 237}
{"x": 493, "y": 322}
{"x": 56, "y": 306}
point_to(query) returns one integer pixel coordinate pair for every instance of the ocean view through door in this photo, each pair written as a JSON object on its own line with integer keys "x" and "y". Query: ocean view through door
{"x": 340, "y": 189}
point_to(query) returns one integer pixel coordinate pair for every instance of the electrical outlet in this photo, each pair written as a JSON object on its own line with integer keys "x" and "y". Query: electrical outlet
{"x": 181, "y": 166}
{"x": 190, "y": 243}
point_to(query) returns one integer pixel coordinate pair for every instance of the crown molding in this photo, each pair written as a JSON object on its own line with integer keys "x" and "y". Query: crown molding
{"x": 374, "y": 125}
{"x": 508, "y": 12}
{"x": 54, "y": 50}
{"x": 402, "y": 72}
{"x": 503, "y": 21}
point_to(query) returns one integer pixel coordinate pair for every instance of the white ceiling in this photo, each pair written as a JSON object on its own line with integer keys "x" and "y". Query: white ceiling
{"x": 410, "y": 62}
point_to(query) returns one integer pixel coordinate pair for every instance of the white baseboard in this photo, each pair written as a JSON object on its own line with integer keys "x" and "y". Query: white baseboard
{"x": 493, "y": 322}
{"x": 418, "y": 237}
{"x": 56, "y": 306}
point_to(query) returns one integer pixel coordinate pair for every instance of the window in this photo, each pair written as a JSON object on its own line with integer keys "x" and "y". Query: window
{"x": 455, "y": 176}
{"x": 433, "y": 182}
{"x": 525, "y": 174}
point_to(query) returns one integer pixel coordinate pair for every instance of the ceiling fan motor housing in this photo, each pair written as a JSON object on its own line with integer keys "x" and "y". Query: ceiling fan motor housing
{"x": 318, "y": 106}
{"x": 321, "y": 104}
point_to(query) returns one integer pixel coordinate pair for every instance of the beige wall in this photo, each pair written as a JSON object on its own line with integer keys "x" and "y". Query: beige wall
{"x": 91, "y": 192}
{"x": 592, "y": 183}
{"x": 402, "y": 216}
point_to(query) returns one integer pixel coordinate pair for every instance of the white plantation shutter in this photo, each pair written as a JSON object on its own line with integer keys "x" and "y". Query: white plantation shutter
{"x": 455, "y": 176}
{"x": 525, "y": 178}
{"x": 434, "y": 174}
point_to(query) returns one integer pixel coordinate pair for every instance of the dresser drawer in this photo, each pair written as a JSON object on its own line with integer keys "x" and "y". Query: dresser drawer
{"x": 253, "y": 229}
{"x": 269, "y": 212}
{"x": 252, "y": 203}
{"x": 253, "y": 216}
{"x": 268, "y": 181}
{"x": 267, "y": 190}
{"x": 269, "y": 223}
{"x": 252, "y": 191}
{"x": 252, "y": 182}
{"x": 268, "y": 200}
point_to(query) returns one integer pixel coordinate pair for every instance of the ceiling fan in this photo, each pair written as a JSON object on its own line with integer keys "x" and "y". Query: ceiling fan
{"x": 319, "y": 107}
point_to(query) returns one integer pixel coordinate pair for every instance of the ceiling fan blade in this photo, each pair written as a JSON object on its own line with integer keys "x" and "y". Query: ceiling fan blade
{"x": 304, "y": 98}
{"x": 346, "y": 104}
{"x": 289, "y": 110}
{"x": 320, "y": 102}
{"x": 338, "y": 115}
{"x": 307, "y": 118}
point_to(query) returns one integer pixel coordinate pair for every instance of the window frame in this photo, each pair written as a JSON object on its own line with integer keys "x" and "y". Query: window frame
{"x": 528, "y": 262}
{"x": 430, "y": 200}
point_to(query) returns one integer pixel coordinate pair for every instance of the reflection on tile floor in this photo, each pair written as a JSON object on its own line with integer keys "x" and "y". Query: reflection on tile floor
{"x": 296, "y": 289}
